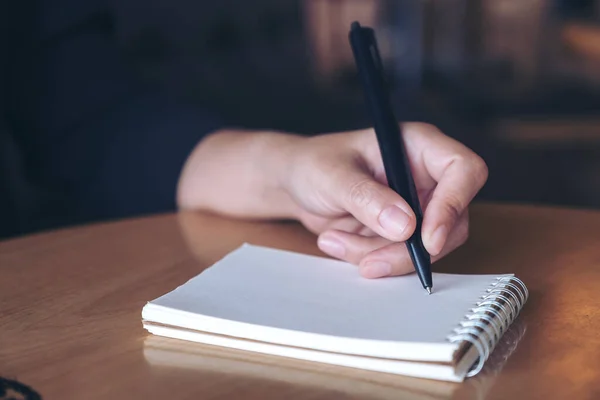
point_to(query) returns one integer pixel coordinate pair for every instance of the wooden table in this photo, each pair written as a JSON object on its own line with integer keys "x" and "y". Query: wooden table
{"x": 70, "y": 304}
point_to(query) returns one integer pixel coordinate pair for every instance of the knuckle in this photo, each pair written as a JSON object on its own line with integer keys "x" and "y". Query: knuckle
{"x": 480, "y": 170}
{"x": 362, "y": 193}
{"x": 473, "y": 166}
{"x": 453, "y": 207}
{"x": 422, "y": 127}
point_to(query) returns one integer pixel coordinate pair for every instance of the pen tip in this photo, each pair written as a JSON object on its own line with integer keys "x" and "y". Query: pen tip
{"x": 428, "y": 290}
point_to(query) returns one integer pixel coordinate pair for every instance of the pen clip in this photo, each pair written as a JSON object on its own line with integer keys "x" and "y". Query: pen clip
{"x": 375, "y": 55}
{"x": 365, "y": 43}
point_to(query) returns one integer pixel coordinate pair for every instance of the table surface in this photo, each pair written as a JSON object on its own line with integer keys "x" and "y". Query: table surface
{"x": 71, "y": 300}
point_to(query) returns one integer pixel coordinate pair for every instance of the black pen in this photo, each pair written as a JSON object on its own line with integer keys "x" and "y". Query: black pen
{"x": 387, "y": 129}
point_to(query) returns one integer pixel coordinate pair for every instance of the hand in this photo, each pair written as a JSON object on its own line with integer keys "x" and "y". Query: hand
{"x": 335, "y": 185}
{"x": 339, "y": 183}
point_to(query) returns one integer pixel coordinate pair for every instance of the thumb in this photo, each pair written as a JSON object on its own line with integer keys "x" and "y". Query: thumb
{"x": 376, "y": 205}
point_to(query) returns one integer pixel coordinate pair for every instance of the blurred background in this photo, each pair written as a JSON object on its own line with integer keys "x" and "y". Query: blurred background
{"x": 516, "y": 80}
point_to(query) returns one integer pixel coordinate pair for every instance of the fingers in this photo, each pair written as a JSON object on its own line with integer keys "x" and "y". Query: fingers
{"x": 318, "y": 224}
{"x": 395, "y": 258}
{"x": 390, "y": 260}
{"x": 448, "y": 175}
{"x": 348, "y": 246}
{"x": 457, "y": 237}
{"x": 375, "y": 205}
{"x": 377, "y": 257}
{"x": 459, "y": 184}
{"x": 458, "y": 174}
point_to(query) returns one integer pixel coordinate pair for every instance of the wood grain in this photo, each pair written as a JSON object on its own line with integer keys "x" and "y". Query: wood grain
{"x": 70, "y": 305}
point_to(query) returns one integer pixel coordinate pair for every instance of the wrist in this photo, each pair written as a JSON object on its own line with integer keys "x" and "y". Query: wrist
{"x": 275, "y": 154}
{"x": 275, "y": 150}
{"x": 241, "y": 174}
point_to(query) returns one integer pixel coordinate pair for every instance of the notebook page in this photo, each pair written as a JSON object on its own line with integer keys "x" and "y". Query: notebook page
{"x": 408, "y": 368}
{"x": 295, "y": 293}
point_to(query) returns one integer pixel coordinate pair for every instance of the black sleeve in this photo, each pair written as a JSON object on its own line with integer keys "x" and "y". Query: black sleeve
{"x": 109, "y": 144}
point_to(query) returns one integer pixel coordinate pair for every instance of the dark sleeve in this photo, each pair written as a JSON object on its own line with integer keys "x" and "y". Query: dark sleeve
{"x": 136, "y": 171}
{"x": 111, "y": 145}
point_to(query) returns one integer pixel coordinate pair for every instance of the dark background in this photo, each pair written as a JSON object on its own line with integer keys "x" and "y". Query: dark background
{"x": 516, "y": 80}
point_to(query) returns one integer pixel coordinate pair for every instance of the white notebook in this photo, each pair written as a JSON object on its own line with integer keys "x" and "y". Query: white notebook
{"x": 295, "y": 305}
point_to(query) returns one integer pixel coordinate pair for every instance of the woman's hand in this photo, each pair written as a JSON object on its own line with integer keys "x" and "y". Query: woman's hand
{"x": 339, "y": 182}
{"x": 335, "y": 185}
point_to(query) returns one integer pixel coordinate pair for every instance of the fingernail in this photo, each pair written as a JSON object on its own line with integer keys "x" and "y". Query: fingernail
{"x": 438, "y": 238}
{"x": 394, "y": 220}
{"x": 376, "y": 269}
{"x": 332, "y": 247}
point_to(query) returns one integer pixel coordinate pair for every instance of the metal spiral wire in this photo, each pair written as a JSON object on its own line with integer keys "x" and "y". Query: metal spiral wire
{"x": 490, "y": 318}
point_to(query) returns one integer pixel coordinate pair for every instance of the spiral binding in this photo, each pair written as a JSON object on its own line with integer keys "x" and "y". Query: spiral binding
{"x": 485, "y": 324}
{"x": 479, "y": 387}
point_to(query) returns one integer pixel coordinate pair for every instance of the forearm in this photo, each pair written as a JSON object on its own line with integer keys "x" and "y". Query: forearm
{"x": 240, "y": 174}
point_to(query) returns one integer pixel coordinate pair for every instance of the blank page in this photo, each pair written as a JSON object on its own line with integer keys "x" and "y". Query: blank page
{"x": 295, "y": 299}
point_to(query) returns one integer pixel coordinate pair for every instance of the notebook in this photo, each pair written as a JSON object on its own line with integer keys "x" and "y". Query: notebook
{"x": 287, "y": 304}
{"x": 169, "y": 356}
{"x": 332, "y": 383}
